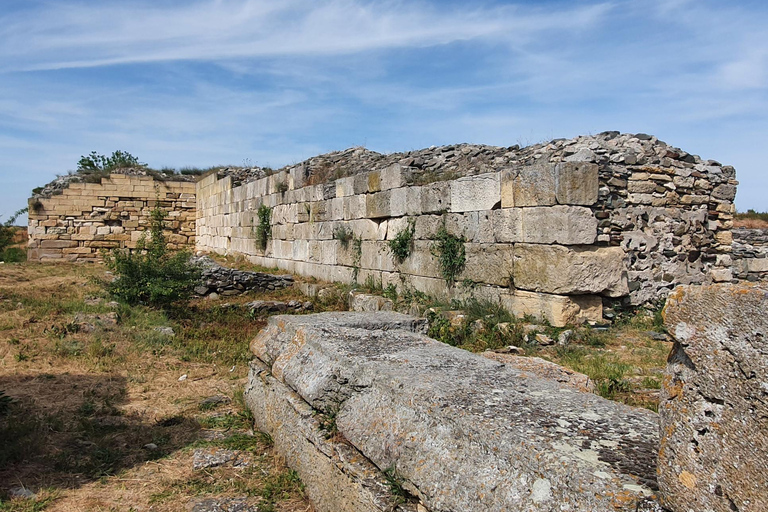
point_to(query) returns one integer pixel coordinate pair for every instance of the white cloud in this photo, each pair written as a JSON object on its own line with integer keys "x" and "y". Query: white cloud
{"x": 71, "y": 36}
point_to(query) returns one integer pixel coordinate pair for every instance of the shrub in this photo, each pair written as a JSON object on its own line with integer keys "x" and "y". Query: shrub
{"x": 263, "y": 228}
{"x": 95, "y": 163}
{"x": 402, "y": 244}
{"x": 450, "y": 253}
{"x": 150, "y": 275}
{"x": 7, "y": 233}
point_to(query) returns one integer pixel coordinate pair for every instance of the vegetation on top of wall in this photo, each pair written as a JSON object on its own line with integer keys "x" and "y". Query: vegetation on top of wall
{"x": 263, "y": 228}
{"x": 450, "y": 253}
{"x": 151, "y": 275}
{"x": 402, "y": 244}
{"x": 95, "y": 162}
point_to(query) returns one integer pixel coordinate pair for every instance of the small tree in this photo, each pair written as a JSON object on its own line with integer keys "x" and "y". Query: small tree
{"x": 7, "y": 234}
{"x": 150, "y": 275}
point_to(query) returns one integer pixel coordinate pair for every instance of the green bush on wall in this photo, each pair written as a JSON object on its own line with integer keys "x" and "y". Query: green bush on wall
{"x": 263, "y": 227}
{"x": 450, "y": 253}
{"x": 402, "y": 244}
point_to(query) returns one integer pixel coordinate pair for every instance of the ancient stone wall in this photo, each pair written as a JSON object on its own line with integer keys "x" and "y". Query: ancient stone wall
{"x": 549, "y": 230}
{"x": 750, "y": 254}
{"x": 83, "y": 218}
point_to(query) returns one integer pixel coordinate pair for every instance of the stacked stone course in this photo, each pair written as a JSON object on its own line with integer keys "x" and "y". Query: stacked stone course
{"x": 750, "y": 254}
{"x": 84, "y": 218}
{"x": 550, "y": 230}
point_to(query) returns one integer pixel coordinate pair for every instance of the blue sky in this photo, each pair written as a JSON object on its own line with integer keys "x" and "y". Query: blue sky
{"x": 209, "y": 82}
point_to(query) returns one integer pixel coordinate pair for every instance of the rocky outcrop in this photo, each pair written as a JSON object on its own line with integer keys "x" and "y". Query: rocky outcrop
{"x": 455, "y": 430}
{"x": 714, "y": 401}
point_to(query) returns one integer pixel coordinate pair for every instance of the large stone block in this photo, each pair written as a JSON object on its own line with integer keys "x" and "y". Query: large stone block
{"x": 507, "y": 224}
{"x": 566, "y": 225}
{"x": 378, "y": 205}
{"x": 558, "y": 310}
{"x": 462, "y": 431}
{"x": 489, "y": 263}
{"x": 533, "y": 185}
{"x": 472, "y": 193}
{"x": 436, "y": 197}
{"x": 714, "y": 400}
{"x": 577, "y": 183}
{"x": 570, "y": 270}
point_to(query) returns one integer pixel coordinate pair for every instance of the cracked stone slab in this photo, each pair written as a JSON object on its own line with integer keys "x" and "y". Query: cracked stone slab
{"x": 463, "y": 432}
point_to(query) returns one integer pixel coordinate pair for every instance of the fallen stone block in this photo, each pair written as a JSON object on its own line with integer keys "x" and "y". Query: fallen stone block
{"x": 460, "y": 432}
{"x": 558, "y": 310}
{"x": 714, "y": 400}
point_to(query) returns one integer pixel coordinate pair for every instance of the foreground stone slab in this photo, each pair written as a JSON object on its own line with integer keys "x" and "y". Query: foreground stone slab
{"x": 714, "y": 400}
{"x": 462, "y": 432}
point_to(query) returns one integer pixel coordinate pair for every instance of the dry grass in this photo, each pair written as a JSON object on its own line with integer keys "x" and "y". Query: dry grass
{"x": 750, "y": 223}
{"x": 88, "y": 401}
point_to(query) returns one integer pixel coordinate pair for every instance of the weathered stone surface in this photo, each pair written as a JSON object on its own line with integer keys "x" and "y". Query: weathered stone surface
{"x": 558, "y": 310}
{"x": 337, "y": 477}
{"x": 489, "y": 263}
{"x": 570, "y": 270}
{"x": 714, "y": 400}
{"x": 531, "y": 186}
{"x": 544, "y": 369}
{"x": 474, "y": 193}
{"x": 461, "y": 431}
{"x": 566, "y": 225}
{"x": 359, "y": 301}
{"x": 577, "y": 183}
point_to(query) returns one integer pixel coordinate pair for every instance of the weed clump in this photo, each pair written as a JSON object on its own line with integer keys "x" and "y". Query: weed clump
{"x": 402, "y": 244}
{"x": 151, "y": 275}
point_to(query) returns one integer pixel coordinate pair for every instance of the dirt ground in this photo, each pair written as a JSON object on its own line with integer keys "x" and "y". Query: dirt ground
{"x": 110, "y": 413}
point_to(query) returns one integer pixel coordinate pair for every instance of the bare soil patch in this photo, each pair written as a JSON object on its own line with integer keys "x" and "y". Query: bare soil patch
{"x": 109, "y": 411}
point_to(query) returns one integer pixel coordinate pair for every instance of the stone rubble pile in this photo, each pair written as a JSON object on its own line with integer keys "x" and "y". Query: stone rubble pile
{"x": 227, "y": 281}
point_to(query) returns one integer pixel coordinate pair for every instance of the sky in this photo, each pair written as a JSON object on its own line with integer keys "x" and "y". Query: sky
{"x": 199, "y": 83}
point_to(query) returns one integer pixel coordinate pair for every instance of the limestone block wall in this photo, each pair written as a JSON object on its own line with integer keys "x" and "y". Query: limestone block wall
{"x": 550, "y": 230}
{"x": 87, "y": 217}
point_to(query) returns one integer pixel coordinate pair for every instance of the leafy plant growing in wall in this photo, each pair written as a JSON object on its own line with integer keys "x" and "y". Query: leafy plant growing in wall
{"x": 402, "y": 244}
{"x": 263, "y": 227}
{"x": 343, "y": 234}
{"x": 450, "y": 253}
{"x": 150, "y": 275}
